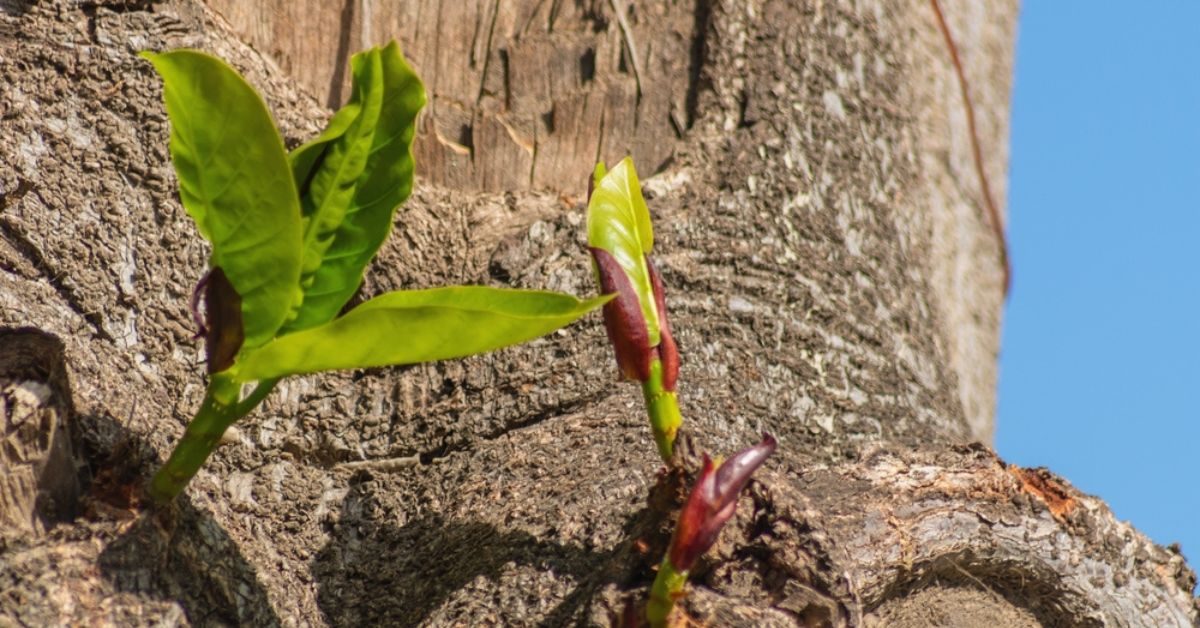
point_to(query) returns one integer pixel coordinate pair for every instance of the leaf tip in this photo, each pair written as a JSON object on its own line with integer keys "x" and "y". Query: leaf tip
{"x": 595, "y": 302}
{"x": 598, "y": 173}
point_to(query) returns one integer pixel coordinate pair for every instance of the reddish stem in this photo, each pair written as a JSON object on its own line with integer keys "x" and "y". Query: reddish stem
{"x": 197, "y": 317}
{"x": 976, "y": 151}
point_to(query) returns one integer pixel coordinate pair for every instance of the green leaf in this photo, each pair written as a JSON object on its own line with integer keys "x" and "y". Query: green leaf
{"x": 305, "y": 158}
{"x": 411, "y": 326}
{"x": 619, "y": 223}
{"x": 235, "y": 182}
{"x": 352, "y": 178}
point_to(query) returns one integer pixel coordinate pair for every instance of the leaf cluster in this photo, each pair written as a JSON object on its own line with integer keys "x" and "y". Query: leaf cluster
{"x": 292, "y": 233}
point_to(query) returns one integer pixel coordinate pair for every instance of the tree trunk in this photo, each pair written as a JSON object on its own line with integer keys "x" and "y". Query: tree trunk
{"x": 832, "y": 275}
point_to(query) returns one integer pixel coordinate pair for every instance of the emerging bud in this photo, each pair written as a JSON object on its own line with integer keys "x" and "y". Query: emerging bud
{"x": 712, "y": 503}
{"x": 626, "y": 325}
{"x": 623, "y": 318}
{"x": 620, "y": 237}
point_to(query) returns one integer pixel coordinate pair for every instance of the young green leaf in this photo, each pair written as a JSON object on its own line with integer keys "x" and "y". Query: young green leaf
{"x": 235, "y": 182}
{"x": 352, "y": 178}
{"x": 619, "y": 223}
{"x": 305, "y": 158}
{"x": 411, "y": 326}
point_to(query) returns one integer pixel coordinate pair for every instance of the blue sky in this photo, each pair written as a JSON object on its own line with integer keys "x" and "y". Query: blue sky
{"x": 1100, "y": 360}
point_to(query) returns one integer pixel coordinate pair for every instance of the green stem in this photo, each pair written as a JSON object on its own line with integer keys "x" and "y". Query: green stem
{"x": 218, "y": 411}
{"x": 663, "y": 407}
{"x": 256, "y": 396}
{"x": 667, "y": 587}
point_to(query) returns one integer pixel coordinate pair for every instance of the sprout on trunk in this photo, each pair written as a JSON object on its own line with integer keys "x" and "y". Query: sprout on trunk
{"x": 709, "y": 507}
{"x": 713, "y": 501}
{"x": 620, "y": 237}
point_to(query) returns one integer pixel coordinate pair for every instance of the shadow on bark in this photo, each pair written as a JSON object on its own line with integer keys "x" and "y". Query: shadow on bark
{"x": 437, "y": 571}
{"x": 969, "y": 584}
{"x": 81, "y": 474}
{"x": 175, "y": 554}
{"x": 15, "y": 8}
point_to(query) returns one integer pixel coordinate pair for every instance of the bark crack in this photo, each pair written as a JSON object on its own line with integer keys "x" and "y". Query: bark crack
{"x": 343, "y": 55}
{"x": 630, "y": 47}
{"x": 25, "y": 247}
{"x": 703, "y": 18}
{"x": 993, "y": 213}
{"x": 556, "y": 410}
{"x": 487, "y": 53}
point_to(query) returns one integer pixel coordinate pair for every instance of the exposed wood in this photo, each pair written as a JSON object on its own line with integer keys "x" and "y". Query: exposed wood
{"x": 518, "y": 88}
{"x": 39, "y": 480}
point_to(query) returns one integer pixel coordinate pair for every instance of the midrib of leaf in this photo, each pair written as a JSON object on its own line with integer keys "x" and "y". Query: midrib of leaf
{"x": 220, "y": 140}
{"x": 331, "y": 193}
{"x": 372, "y": 202}
{"x": 229, "y": 182}
{"x": 454, "y": 321}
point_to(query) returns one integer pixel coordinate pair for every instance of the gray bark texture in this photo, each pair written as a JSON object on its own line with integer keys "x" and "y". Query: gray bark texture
{"x": 831, "y": 274}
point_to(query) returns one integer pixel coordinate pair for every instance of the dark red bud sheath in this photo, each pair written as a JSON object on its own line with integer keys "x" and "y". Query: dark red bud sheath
{"x": 623, "y": 318}
{"x": 225, "y": 333}
{"x": 667, "y": 350}
{"x": 734, "y": 474}
{"x": 712, "y": 503}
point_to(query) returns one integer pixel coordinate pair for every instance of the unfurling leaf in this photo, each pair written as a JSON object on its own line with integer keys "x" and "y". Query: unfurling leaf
{"x": 235, "y": 182}
{"x": 407, "y": 327}
{"x": 618, "y": 222}
{"x": 620, "y": 238}
{"x": 352, "y": 178}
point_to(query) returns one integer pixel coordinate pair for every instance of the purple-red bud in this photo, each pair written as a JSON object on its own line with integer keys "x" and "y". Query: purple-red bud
{"x": 623, "y": 318}
{"x": 197, "y": 317}
{"x": 626, "y": 324}
{"x": 713, "y": 501}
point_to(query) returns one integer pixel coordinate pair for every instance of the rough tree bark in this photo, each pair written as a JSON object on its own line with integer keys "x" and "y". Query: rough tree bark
{"x": 831, "y": 275}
